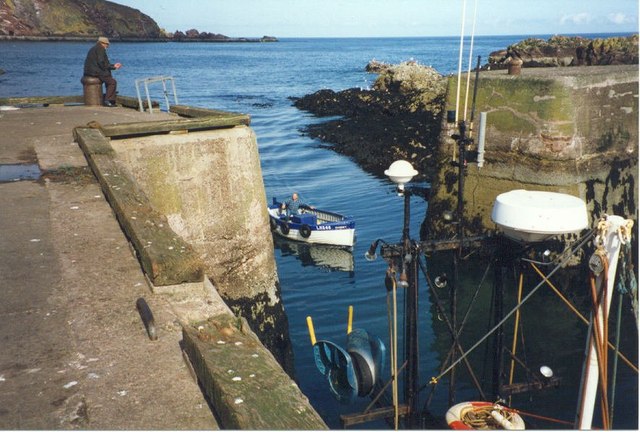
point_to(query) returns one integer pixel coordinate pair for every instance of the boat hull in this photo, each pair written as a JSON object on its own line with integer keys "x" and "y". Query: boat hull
{"x": 313, "y": 226}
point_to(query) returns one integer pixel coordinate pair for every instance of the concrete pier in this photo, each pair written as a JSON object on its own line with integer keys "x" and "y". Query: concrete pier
{"x": 76, "y": 353}
{"x": 571, "y": 130}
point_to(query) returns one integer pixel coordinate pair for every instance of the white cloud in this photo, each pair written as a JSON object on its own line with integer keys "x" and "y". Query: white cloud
{"x": 619, "y": 18}
{"x": 580, "y": 18}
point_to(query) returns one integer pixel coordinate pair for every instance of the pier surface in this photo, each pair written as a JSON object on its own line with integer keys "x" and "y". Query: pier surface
{"x": 75, "y": 354}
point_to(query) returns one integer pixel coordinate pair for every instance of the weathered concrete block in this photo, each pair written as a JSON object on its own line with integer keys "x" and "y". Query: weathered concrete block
{"x": 165, "y": 257}
{"x": 246, "y": 386}
{"x": 209, "y": 185}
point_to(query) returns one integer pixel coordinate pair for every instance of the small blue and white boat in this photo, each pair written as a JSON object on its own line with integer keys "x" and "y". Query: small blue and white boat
{"x": 313, "y": 225}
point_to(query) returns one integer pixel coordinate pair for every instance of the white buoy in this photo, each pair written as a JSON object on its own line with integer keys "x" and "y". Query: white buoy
{"x": 546, "y": 371}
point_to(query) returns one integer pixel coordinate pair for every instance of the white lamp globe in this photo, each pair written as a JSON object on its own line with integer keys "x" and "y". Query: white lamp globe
{"x": 400, "y": 172}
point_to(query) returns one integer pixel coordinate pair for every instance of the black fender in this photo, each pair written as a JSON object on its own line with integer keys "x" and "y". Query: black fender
{"x": 305, "y": 231}
{"x": 284, "y": 228}
{"x": 364, "y": 374}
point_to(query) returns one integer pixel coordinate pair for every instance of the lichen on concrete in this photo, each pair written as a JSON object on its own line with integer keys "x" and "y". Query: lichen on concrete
{"x": 243, "y": 380}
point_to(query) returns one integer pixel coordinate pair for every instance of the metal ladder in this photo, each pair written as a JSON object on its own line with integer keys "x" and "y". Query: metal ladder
{"x": 146, "y": 82}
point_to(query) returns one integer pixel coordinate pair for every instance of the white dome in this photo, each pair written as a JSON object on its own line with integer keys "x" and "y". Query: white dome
{"x": 400, "y": 172}
{"x": 537, "y": 215}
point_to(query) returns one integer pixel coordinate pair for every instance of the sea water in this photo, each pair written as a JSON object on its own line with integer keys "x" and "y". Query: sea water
{"x": 259, "y": 79}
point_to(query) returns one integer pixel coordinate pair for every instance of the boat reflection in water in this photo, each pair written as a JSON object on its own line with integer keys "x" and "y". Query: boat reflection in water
{"x": 333, "y": 258}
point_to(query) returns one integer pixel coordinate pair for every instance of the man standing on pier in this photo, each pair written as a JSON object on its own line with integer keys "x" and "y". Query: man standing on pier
{"x": 97, "y": 65}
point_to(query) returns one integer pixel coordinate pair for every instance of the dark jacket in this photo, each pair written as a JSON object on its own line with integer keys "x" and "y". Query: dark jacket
{"x": 97, "y": 62}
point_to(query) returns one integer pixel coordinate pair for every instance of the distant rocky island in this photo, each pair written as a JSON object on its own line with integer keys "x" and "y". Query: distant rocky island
{"x": 73, "y": 20}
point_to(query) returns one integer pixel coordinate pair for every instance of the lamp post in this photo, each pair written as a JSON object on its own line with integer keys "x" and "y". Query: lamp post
{"x": 401, "y": 172}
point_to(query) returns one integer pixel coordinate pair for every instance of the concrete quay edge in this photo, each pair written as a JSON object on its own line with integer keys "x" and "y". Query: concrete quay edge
{"x": 193, "y": 305}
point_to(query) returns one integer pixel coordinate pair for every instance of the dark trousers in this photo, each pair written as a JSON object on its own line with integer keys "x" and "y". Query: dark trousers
{"x": 112, "y": 85}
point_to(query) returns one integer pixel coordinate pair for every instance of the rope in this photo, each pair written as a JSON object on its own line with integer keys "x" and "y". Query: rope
{"x": 579, "y": 315}
{"x": 382, "y": 391}
{"x": 515, "y": 332}
{"x": 507, "y": 316}
{"x": 600, "y": 320}
{"x": 393, "y": 338}
{"x": 627, "y": 283}
{"x": 549, "y": 419}
{"x": 481, "y": 418}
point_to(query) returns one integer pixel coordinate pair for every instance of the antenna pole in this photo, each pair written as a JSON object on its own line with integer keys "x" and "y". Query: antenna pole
{"x": 475, "y": 94}
{"x": 410, "y": 270}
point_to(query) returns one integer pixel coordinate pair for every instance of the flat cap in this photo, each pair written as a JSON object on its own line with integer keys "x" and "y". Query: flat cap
{"x": 103, "y": 39}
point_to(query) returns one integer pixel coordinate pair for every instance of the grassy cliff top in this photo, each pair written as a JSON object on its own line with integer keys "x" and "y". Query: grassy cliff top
{"x": 74, "y": 18}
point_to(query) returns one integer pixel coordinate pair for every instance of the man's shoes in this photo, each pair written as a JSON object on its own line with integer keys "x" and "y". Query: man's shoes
{"x": 110, "y": 104}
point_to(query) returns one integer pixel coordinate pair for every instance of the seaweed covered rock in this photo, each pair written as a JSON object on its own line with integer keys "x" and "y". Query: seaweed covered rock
{"x": 568, "y": 51}
{"x": 421, "y": 85}
{"x": 399, "y": 118}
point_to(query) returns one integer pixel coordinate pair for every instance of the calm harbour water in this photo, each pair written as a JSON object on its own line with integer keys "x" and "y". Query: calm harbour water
{"x": 259, "y": 79}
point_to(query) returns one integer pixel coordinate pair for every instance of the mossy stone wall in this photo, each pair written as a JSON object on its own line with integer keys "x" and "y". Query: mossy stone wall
{"x": 209, "y": 185}
{"x": 571, "y": 130}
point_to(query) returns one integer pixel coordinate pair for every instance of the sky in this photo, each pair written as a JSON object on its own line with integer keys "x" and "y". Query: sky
{"x": 390, "y": 18}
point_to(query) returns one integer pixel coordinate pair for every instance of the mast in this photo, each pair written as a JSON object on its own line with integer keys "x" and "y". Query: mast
{"x": 613, "y": 232}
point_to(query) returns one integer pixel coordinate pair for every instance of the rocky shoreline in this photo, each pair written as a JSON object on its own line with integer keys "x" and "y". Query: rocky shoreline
{"x": 399, "y": 118}
{"x": 224, "y": 39}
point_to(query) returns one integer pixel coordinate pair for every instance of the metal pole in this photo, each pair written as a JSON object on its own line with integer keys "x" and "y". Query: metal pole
{"x": 166, "y": 95}
{"x": 146, "y": 90}
{"x": 140, "y": 106}
{"x": 173, "y": 86}
{"x": 475, "y": 93}
{"x": 453, "y": 309}
{"x": 462, "y": 162}
{"x": 457, "y": 254}
{"x": 498, "y": 308}
{"x": 410, "y": 269}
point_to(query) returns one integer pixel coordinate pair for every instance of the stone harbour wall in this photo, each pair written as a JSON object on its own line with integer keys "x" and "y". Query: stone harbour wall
{"x": 209, "y": 186}
{"x": 568, "y": 130}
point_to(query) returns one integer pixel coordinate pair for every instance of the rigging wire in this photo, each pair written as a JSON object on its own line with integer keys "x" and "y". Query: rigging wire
{"x": 464, "y": 321}
{"x": 456, "y": 345}
{"x": 622, "y": 290}
{"x": 475, "y": 295}
{"x": 579, "y": 315}
{"x": 614, "y": 374}
{"x": 511, "y": 312}
{"x": 515, "y": 332}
